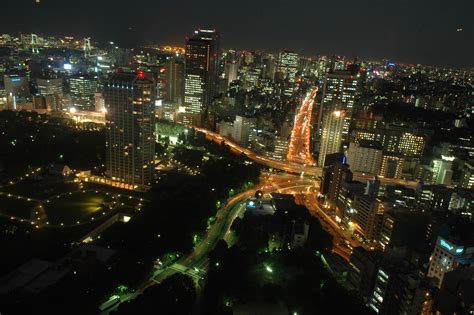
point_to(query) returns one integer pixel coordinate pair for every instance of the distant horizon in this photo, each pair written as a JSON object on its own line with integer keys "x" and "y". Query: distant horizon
{"x": 414, "y": 32}
{"x": 182, "y": 45}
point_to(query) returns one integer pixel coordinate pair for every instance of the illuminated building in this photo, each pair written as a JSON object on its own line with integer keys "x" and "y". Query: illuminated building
{"x": 392, "y": 166}
{"x": 280, "y": 148}
{"x": 331, "y": 135}
{"x": 442, "y": 170}
{"x": 448, "y": 255}
{"x": 333, "y": 177}
{"x": 288, "y": 64}
{"x": 83, "y": 87}
{"x": 340, "y": 91}
{"x": 230, "y": 71}
{"x": 364, "y": 265}
{"x": 388, "y": 225}
{"x": 130, "y": 125}
{"x": 174, "y": 73}
{"x": 242, "y": 127}
{"x": 399, "y": 290}
{"x": 435, "y": 197}
{"x": 99, "y": 103}
{"x": 365, "y": 156}
{"x": 201, "y": 69}
{"x": 368, "y": 213}
{"x": 51, "y": 88}
{"x": 467, "y": 178}
{"x": 404, "y": 143}
{"x": 16, "y": 89}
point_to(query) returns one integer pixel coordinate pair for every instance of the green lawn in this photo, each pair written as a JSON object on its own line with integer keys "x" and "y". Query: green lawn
{"x": 12, "y": 206}
{"x": 76, "y": 207}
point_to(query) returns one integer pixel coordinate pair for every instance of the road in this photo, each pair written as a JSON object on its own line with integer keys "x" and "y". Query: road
{"x": 196, "y": 262}
{"x": 294, "y": 168}
{"x": 300, "y": 148}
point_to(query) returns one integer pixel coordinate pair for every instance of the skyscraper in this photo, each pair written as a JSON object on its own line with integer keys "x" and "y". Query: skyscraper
{"x": 16, "y": 89}
{"x": 201, "y": 70}
{"x": 288, "y": 63}
{"x": 339, "y": 94}
{"x": 448, "y": 254}
{"x": 130, "y": 122}
{"x": 331, "y": 136}
{"x": 174, "y": 71}
{"x": 83, "y": 87}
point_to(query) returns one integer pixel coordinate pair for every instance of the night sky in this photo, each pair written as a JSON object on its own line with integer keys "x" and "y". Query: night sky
{"x": 411, "y": 31}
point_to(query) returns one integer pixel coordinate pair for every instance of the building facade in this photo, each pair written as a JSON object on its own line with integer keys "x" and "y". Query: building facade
{"x": 130, "y": 125}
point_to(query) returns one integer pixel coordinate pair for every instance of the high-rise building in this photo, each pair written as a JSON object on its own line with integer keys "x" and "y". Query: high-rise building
{"x": 51, "y": 88}
{"x": 467, "y": 177}
{"x": 333, "y": 178}
{"x": 201, "y": 71}
{"x": 448, "y": 254}
{"x": 280, "y": 148}
{"x": 331, "y": 135}
{"x": 340, "y": 92}
{"x": 16, "y": 89}
{"x": 392, "y": 166}
{"x": 442, "y": 170}
{"x": 365, "y": 156}
{"x": 99, "y": 103}
{"x": 83, "y": 87}
{"x": 288, "y": 63}
{"x": 230, "y": 70}
{"x": 130, "y": 125}
{"x": 242, "y": 128}
{"x": 174, "y": 72}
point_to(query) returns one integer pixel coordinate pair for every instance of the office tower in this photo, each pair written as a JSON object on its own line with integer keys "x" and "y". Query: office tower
{"x": 435, "y": 197}
{"x": 16, "y": 89}
{"x": 83, "y": 87}
{"x": 201, "y": 70}
{"x": 174, "y": 74}
{"x": 99, "y": 103}
{"x": 404, "y": 141}
{"x": 392, "y": 166}
{"x": 288, "y": 63}
{"x": 367, "y": 213}
{"x": 442, "y": 170}
{"x": 130, "y": 125}
{"x": 230, "y": 70}
{"x": 340, "y": 92}
{"x": 280, "y": 148}
{"x": 365, "y": 156}
{"x": 399, "y": 290}
{"x": 467, "y": 177}
{"x": 364, "y": 265}
{"x": 52, "y": 88}
{"x": 242, "y": 128}
{"x": 331, "y": 135}
{"x": 333, "y": 177}
{"x": 448, "y": 254}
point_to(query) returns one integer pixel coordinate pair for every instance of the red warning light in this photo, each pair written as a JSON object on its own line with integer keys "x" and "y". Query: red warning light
{"x": 140, "y": 74}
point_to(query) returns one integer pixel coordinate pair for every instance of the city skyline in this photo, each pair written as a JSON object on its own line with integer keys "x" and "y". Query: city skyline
{"x": 422, "y": 32}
